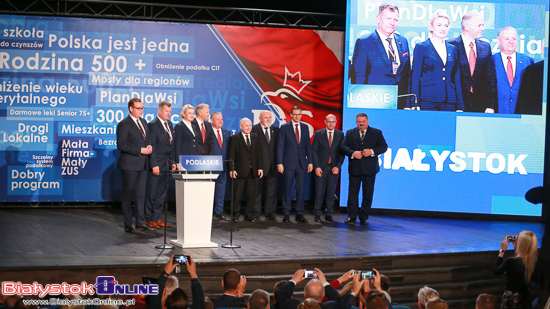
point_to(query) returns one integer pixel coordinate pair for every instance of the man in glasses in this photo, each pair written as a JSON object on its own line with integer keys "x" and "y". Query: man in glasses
{"x": 133, "y": 141}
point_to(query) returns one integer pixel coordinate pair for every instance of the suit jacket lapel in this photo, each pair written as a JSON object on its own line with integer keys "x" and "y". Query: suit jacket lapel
{"x": 380, "y": 45}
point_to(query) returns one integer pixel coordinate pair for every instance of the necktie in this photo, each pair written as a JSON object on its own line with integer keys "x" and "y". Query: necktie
{"x": 362, "y": 135}
{"x": 168, "y": 131}
{"x": 267, "y": 135}
{"x": 329, "y": 145}
{"x": 472, "y": 62}
{"x": 297, "y": 135}
{"x": 392, "y": 57}
{"x": 220, "y": 139}
{"x": 247, "y": 141}
{"x": 203, "y": 132}
{"x": 510, "y": 72}
{"x": 140, "y": 128}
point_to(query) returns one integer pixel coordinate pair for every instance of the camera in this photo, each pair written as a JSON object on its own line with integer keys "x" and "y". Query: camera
{"x": 365, "y": 274}
{"x": 309, "y": 274}
{"x": 180, "y": 259}
{"x": 511, "y": 238}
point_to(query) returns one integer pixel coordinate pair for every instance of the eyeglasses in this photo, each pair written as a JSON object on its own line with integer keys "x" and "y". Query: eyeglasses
{"x": 139, "y": 108}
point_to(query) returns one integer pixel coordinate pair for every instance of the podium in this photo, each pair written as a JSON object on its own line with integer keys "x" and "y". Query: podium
{"x": 194, "y": 205}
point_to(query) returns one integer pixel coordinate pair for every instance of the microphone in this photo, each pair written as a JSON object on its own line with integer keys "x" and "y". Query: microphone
{"x": 415, "y": 107}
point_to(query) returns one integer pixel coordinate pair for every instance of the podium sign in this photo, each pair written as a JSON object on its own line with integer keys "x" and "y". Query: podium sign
{"x": 201, "y": 163}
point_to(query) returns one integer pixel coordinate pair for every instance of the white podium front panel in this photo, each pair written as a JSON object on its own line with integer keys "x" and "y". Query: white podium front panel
{"x": 194, "y": 206}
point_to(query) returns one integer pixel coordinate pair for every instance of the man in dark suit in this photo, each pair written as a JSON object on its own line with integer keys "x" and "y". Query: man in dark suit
{"x": 221, "y": 146}
{"x": 132, "y": 135}
{"x": 201, "y": 125}
{"x": 317, "y": 289}
{"x": 509, "y": 67}
{"x": 327, "y": 160}
{"x": 161, "y": 132}
{"x": 233, "y": 289}
{"x": 267, "y": 185}
{"x": 363, "y": 145}
{"x": 477, "y": 69}
{"x": 382, "y": 57}
{"x": 246, "y": 153}
{"x": 294, "y": 158}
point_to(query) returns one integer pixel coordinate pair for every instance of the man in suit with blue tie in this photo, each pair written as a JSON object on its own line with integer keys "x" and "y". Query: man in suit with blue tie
{"x": 267, "y": 185}
{"x": 509, "y": 67}
{"x": 327, "y": 161}
{"x": 163, "y": 157}
{"x": 382, "y": 57}
{"x": 294, "y": 159}
{"x": 132, "y": 135}
{"x": 221, "y": 145}
{"x": 477, "y": 69}
{"x": 363, "y": 145}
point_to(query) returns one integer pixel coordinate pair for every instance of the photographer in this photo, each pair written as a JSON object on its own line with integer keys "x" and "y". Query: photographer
{"x": 518, "y": 269}
{"x": 158, "y": 301}
{"x": 316, "y": 289}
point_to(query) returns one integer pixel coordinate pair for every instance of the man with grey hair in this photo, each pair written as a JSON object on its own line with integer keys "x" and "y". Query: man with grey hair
{"x": 477, "y": 68}
{"x": 200, "y": 123}
{"x": 163, "y": 157}
{"x": 509, "y": 68}
{"x": 327, "y": 161}
{"x": 221, "y": 145}
{"x": 259, "y": 299}
{"x": 246, "y": 155}
{"x": 316, "y": 289}
{"x": 424, "y": 294}
{"x": 382, "y": 57}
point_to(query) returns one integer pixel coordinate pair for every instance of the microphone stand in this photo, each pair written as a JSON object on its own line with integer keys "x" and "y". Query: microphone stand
{"x": 230, "y": 245}
{"x": 415, "y": 107}
{"x": 165, "y": 245}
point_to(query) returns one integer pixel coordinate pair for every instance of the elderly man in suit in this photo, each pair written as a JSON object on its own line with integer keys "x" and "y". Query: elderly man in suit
{"x": 221, "y": 146}
{"x": 201, "y": 125}
{"x": 363, "y": 145}
{"x": 477, "y": 69}
{"x": 382, "y": 57}
{"x": 267, "y": 185}
{"x": 509, "y": 67}
{"x": 327, "y": 161}
{"x": 246, "y": 153}
{"x": 294, "y": 158}
{"x": 133, "y": 141}
{"x": 163, "y": 157}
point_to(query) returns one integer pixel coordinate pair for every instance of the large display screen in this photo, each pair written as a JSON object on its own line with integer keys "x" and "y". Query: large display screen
{"x": 465, "y": 125}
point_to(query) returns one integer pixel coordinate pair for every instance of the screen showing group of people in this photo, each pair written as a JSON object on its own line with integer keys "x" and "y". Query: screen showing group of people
{"x": 459, "y": 90}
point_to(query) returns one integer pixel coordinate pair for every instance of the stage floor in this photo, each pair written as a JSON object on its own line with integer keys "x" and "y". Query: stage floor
{"x": 95, "y": 236}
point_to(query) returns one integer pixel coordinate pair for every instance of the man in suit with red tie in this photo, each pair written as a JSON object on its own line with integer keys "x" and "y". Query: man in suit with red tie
{"x": 267, "y": 185}
{"x": 294, "y": 159}
{"x": 509, "y": 67}
{"x": 363, "y": 145}
{"x": 246, "y": 153}
{"x": 477, "y": 69}
{"x": 221, "y": 145}
{"x": 200, "y": 123}
{"x": 382, "y": 57}
{"x": 132, "y": 135}
{"x": 327, "y": 160}
{"x": 163, "y": 157}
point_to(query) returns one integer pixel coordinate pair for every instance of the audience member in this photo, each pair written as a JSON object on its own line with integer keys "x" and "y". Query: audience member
{"x": 177, "y": 300}
{"x": 233, "y": 288}
{"x": 518, "y": 269}
{"x": 376, "y": 300}
{"x": 309, "y": 303}
{"x": 425, "y": 294}
{"x": 278, "y": 285}
{"x": 385, "y": 286}
{"x": 259, "y": 299}
{"x": 486, "y": 301}
{"x": 316, "y": 289}
{"x": 437, "y": 303}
